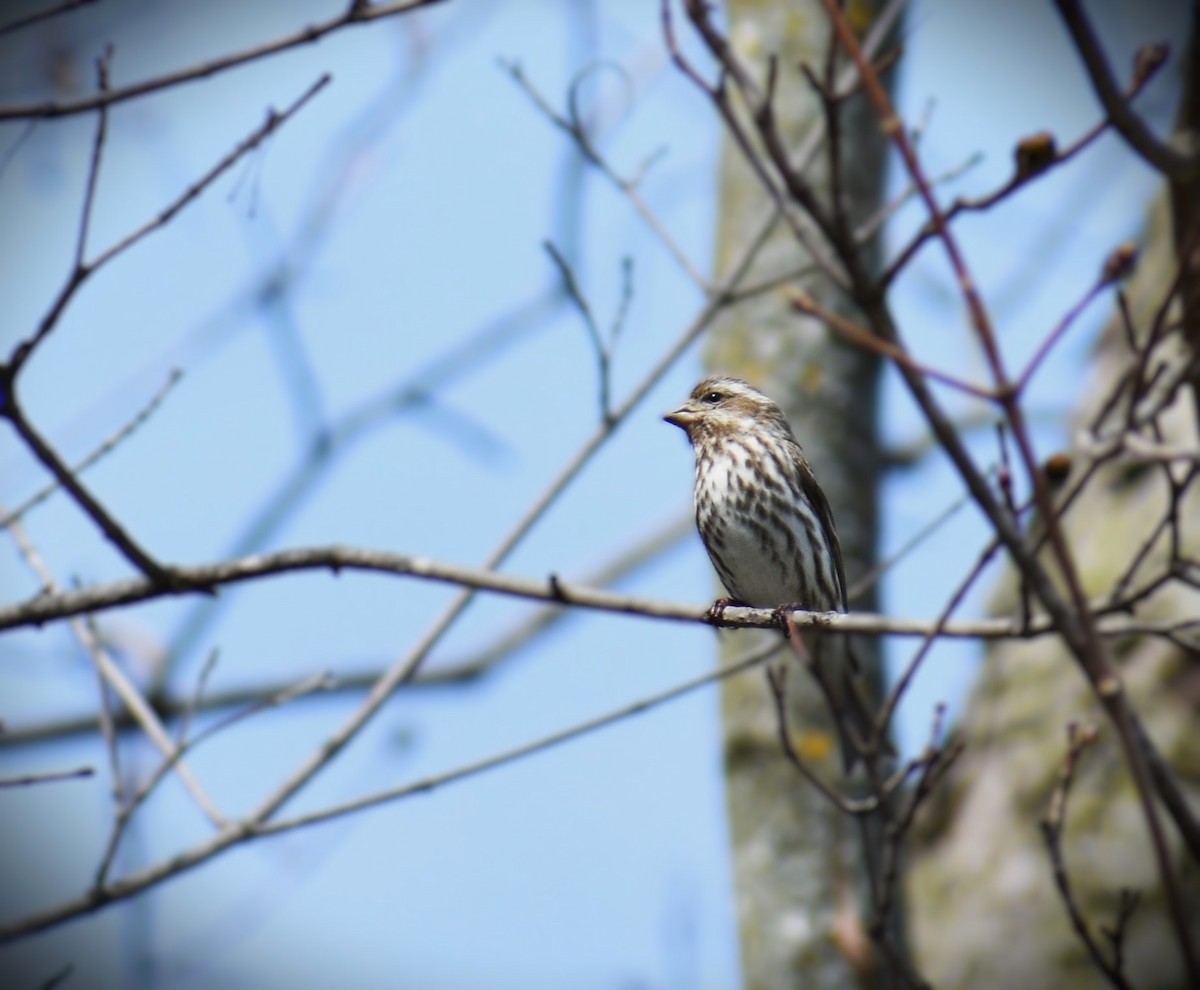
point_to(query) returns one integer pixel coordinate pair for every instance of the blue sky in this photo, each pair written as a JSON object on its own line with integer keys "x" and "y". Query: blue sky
{"x": 602, "y": 863}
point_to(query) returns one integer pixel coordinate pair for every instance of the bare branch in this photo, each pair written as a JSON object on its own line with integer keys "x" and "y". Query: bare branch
{"x": 125, "y": 812}
{"x": 114, "y": 677}
{"x": 1075, "y": 620}
{"x": 47, "y": 778}
{"x": 83, "y": 269}
{"x": 803, "y": 302}
{"x": 1052, "y": 831}
{"x": 355, "y": 13}
{"x": 48, "y": 607}
{"x": 599, "y": 347}
{"x": 117, "y": 535}
{"x": 233, "y": 834}
{"x": 37, "y": 16}
{"x": 576, "y": 131}
{"x": 1168, "y": 160}
{"x": 99, "y": 453}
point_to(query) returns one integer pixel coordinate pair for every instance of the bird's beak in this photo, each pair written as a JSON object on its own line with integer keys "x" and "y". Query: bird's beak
{"x": 683, "y": 417}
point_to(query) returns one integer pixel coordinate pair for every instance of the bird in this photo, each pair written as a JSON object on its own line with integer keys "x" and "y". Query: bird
{"x": 768, "y": 527}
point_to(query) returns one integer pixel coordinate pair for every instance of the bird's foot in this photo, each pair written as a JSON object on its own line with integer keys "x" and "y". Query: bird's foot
{"x": 782, "y": 617}
{"x": 716, "y": 611}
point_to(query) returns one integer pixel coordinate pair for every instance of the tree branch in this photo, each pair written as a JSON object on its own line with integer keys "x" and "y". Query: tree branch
{"x": 355, "y": 13}
{"x": 43, "y": 608}
{"x": 1171, "y": 162}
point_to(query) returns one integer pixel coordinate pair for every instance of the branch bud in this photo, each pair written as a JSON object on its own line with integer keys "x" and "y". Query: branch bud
{"x": 1035, "y": 153}
{"x": 1119, "y": 264}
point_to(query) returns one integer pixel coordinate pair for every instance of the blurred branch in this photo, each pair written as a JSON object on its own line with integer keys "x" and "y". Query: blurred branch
{"x": 936, "y": 633}
{"x": 933, "y": 764}
{"x": 37, "y": 16}
{"x": 83, "y": 269}
{"x": 412, "y": 393}
{"x": 407, "y": 666}
{"x": 47, "y": 778}
{"x": 1173, "y": 163}
{"x": 248, "y": 829}
{"x": 576, "y": 129}
{"x": 600, "y": 349}
{"x": 803, "y": 302}
{"x": 309, "y": 685}
{"x": 1052, "y": 831}
{"x": 910, "y": 453}
{"x": 100, "y": 452}
{"x": 58, "y": 977}
{"x": 1120, "y": 262}
{"x": 1034, "y": 156}
{"x": 356, "y": 12}
{"x": 113, "y": 676}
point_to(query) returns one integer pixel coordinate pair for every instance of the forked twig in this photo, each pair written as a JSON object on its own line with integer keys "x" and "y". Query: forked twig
{"x": 1052, "y": 831}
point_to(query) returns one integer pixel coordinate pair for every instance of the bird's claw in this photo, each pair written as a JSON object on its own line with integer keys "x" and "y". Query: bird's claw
{"x": 716, "y": 611}
{"x": 782, "y": 617}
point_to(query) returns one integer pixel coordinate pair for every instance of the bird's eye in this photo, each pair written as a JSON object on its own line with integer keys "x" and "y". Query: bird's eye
{"x": 713, "y": 397}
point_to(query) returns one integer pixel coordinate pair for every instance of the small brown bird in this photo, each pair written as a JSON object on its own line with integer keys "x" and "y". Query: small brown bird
{"x": 765, "y": 521}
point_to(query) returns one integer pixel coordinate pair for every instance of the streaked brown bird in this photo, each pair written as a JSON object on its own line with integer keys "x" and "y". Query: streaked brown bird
{"x": 766, "y": 523}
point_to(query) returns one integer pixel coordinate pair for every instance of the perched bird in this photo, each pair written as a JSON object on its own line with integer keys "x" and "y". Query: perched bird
{"x": 766, "y": 523}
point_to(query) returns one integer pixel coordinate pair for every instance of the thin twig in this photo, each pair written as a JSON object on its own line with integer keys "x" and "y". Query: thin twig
{"x": 235, "y": 833}
{"x": 1052, "y": 831}
{"x": 112, "y": 675}
{"x": 184, "y": 745}
{"x": 116, "y": 534}
{"x": 629, "y": 188}
{"x": 84, "y": 269}
{"x": 37, "y": 16}
{"x": 105, "y": 448}
{"x": 1057, "y": 333}
{"x": 47, "y": 778}
{"x": 355, "y": 13}
{"x": 777, "y": 680}
{"x": 103, "y": 63}
{"x": 1170, "y": 161}
{"x": 599, "y": 347}
{"x": 803, "y": 302}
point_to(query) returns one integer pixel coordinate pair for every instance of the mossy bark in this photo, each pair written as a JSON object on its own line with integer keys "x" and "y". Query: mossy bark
{"x": 799, "y": 862}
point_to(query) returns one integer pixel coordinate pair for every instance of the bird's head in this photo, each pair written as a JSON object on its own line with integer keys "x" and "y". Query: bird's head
{"x": 726, "y": 406}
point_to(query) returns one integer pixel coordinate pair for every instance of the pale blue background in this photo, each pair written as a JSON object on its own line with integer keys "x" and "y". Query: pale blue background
{"x": 602, "y": 863}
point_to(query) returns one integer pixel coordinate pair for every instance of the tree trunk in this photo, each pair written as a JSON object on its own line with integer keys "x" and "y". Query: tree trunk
{"x": 799, "y": 862}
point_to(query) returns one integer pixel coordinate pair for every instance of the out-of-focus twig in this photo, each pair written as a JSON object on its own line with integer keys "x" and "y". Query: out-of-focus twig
{"x": 107, "y": 447}
{"x": 356, "y": 12}
{"x": 37, "y": 16}
{"x": 47, "y": 778}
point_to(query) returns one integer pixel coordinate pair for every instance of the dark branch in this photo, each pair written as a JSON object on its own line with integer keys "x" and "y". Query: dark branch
{"x": 356, "y": 13}
{"x": 1171, "y": 162}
